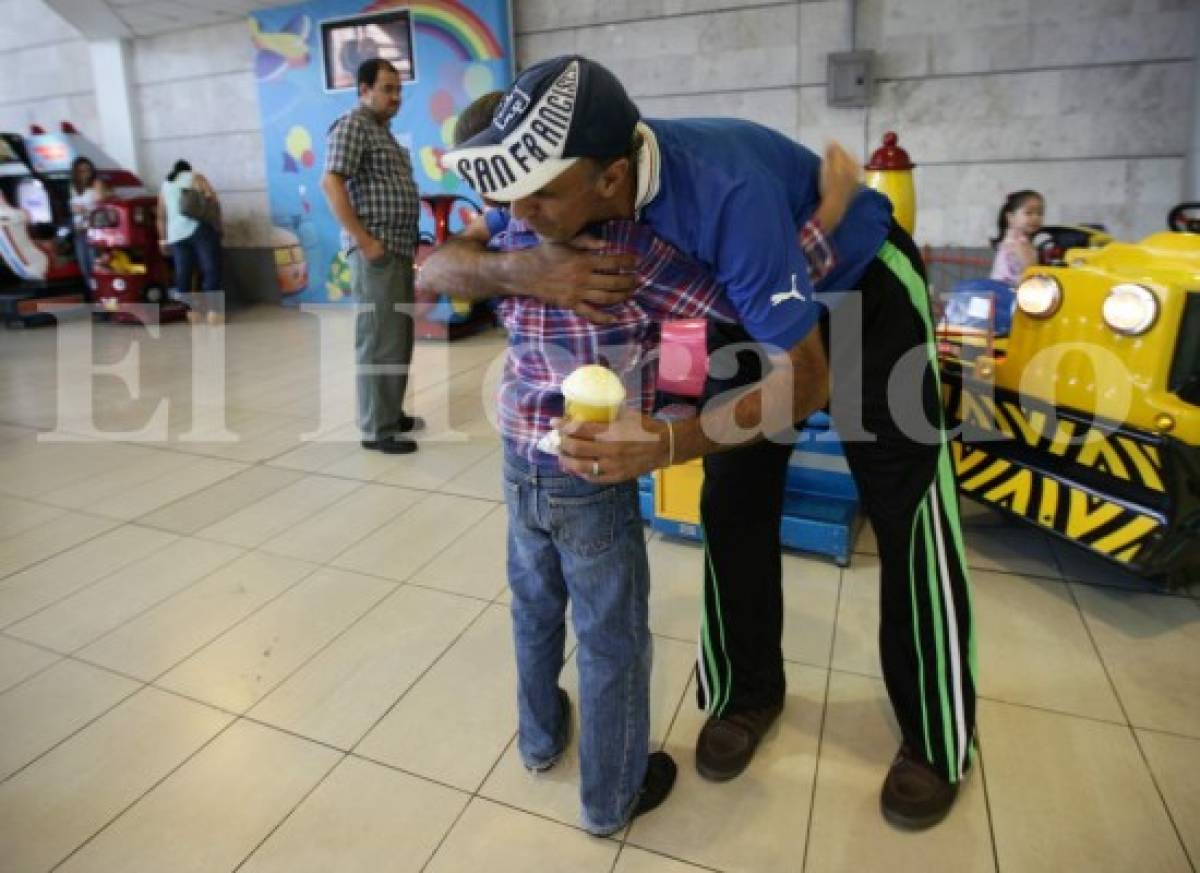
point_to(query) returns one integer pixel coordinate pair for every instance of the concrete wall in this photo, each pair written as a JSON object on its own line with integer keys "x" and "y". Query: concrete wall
{"x": 195, "y": 97}
{"x": 45, "y": 70}
{"x": 197, "y": 100}
{"x": 1088, "y": 101}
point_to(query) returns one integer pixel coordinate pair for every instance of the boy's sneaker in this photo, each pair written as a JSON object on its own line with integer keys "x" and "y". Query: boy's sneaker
{"x": 564, "y": 734}
{"x": 660, "y": 779}
{"x": 656, "y": 785}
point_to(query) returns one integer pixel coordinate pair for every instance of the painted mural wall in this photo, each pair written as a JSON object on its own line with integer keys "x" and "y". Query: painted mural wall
{"x": 460, "y": 50}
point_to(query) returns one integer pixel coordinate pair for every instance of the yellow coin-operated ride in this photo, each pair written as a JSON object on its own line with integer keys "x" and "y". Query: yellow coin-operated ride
{"x": 1088, "y": 423}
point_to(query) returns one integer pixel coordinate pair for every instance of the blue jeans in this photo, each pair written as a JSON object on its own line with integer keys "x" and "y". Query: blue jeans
{"x": 570, "y": 539}
{"x": 86, "y": 259}
{"x": 202, "y": 249}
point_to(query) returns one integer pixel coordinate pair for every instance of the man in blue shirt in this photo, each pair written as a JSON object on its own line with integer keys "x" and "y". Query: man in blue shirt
{"x": 748, "y": 202}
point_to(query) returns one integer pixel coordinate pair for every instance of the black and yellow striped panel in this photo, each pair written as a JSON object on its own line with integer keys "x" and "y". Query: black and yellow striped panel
{"x": 1110, "y": 528}
{"x": 1102, "y": 449}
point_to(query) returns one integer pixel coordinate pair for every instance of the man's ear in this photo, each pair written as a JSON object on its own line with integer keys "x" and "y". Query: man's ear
{"x": 612, "y": 177}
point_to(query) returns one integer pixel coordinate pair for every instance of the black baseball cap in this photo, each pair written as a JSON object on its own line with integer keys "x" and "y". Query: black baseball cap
{"x": 556, "y": 112}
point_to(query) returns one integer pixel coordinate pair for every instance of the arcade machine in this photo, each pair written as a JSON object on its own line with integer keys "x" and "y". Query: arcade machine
{"x": 130, "y": 267}
{"x": 37, "y": 254}
{"x": 36, "y": 234}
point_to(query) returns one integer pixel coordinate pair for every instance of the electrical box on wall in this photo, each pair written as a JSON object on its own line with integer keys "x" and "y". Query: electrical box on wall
{"x": 849, "y": 78}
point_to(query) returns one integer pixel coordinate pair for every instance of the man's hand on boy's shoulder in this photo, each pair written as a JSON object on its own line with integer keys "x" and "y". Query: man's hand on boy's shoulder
{"x": 578, "y": 275}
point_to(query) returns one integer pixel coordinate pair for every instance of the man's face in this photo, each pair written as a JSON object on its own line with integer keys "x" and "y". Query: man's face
{"x": 382, "y": 98}
{"x": 560, "y": 210}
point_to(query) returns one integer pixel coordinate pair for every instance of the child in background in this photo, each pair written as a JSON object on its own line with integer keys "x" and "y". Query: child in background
{"x": 87, "y": 190}
{"x": 1020, "y": 218}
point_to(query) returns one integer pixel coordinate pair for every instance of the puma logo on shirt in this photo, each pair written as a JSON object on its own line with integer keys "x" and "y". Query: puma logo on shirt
{"x": 795, "y": 293}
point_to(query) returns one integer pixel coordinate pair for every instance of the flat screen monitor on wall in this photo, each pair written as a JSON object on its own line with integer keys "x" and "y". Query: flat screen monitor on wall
{"x": 347, "y": 42}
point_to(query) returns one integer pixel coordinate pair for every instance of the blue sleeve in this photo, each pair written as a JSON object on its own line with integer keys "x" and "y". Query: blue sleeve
{"x": 761, "y": 264}
{"x": 497, "y": 220}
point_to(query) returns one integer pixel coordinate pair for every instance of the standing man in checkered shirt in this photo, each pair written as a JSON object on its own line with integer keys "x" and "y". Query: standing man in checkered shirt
{"x": 369, "y": 185}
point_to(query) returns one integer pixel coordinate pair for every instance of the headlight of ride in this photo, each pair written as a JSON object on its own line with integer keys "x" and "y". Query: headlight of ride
{"x": 118, "y": 284}
{"x": 1039, "y": 296}
{"x": 1130, "y": 309}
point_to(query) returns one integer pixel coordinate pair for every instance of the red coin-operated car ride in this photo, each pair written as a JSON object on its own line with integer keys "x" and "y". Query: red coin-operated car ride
{"x": 130, "y": 267}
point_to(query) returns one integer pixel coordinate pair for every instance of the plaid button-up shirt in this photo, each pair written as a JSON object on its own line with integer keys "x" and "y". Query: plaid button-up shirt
{"x": 379, "y": 178}
{"x": 546, "y": 343}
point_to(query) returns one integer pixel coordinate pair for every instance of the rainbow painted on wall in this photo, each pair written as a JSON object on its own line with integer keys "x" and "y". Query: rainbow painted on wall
{"x": 450, "y": 23}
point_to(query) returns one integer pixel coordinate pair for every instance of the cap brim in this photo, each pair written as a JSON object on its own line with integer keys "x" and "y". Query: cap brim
{"x": 503, "y": 190}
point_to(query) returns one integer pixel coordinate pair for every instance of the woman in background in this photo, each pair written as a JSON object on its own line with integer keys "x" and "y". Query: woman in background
{"x": 1020, "y": 218}
{"x": 87, "y": 190}
{"x": 192, "y": 242}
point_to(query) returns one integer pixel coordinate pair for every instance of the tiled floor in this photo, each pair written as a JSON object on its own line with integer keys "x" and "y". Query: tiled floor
{"x": 252, "y": 646}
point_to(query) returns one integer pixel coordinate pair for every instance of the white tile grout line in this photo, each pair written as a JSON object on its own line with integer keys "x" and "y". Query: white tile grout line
{"x": 5, "y": 580}
{"x": 58, "y": 657}
{"x": 304, "y": 797}
{"x": 683, "y": 696}
{"x": 987, "y": 799}
{"x": 140, "y": 686}
{"x": 247, "y": 466}
{"x": 1061, "y": 577}
{"x": 812, "y": 798}
{"x": 1132, "y": 730}
{"x": 170, "y": 772}
{"x": 237, "y": 717}
{"x": 482, "y": 611}
{"x": 242, "y": 717}
{"x": 244, "y": 552}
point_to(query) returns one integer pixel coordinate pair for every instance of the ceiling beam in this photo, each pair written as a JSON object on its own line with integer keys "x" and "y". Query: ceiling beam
{"x": 94, "y": 19}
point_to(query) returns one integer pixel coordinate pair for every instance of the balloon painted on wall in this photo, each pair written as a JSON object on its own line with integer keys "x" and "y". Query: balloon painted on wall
{"x": 298, "y": 150}
{"x": 461, "y": 49}
{"x": 459, "y": 86}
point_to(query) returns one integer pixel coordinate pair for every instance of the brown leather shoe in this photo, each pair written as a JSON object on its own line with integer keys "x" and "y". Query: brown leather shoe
{"x": 726, "y": 745}
{"x": 914, "y": 796}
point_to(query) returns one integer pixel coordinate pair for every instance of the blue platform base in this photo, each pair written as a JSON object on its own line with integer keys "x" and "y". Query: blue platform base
{"x": 820, "y": 507}
{"x": 820, "y": 525}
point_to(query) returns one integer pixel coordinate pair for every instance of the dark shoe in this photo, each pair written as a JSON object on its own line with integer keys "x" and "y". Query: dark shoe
{"x": 727, "y": 744}
{"x": 914, "y": 796}
{"x": 660, "y": 779}
{"x": 408, "y": 423}
{"x": 656, "y": 785}
{"x": 391, "y": 445}
{"x": 564, "y": 734}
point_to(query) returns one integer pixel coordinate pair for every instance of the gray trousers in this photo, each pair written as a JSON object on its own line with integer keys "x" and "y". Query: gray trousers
{"x": 383, "y": 339}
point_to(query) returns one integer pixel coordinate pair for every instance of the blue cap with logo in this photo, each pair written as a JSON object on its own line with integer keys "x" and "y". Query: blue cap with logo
{"x": 556, "y": 112}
